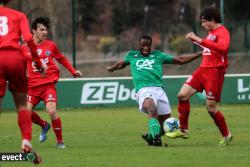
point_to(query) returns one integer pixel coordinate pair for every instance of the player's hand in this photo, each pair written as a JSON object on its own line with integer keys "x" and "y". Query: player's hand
{"x": 41, "y": 69}
{"x": 193, "y": 37}
{"x": 77, "y": 74}
{"x": 190, "y": 36}
{"x": 109, "y": 68}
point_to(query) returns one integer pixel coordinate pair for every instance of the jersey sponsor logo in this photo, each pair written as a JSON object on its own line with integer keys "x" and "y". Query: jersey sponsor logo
{"x": 105, "y": 93}
{"x": 145, "y": 64}
{"x": 43, "y": 61}
{"x": 205, "y": 51}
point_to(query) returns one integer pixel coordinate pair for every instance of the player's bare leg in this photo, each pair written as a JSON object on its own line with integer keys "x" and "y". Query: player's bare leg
{"x": 183, "y": 110}
{"x": 25, "y": 124}
{"x": 184, "y": 105}
{"x": 153, "y": 137}
{"x": 56, "y": 123}
{"x": 36, "y": 119}
{"x": 219, "y": 120}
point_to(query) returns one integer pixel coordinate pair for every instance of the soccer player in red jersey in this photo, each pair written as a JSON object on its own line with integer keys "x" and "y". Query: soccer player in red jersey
{"x": 43, "y": 87}
{"x": 13, "y": 25}
{"x": 209, "y": 76}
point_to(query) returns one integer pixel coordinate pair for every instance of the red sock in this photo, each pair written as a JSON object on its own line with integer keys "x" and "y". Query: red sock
{"x": 37, "y": 119}
{"x": 220, "y": 122}
{"x": 183, "y": 110}
{"x": 25, "y": 124}
{"x": 57, "y": 127}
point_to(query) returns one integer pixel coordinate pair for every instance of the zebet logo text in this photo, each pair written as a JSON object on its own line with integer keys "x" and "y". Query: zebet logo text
{"x": 243, "y": 90}
{"x": 105, "y": 93}
{"x": 17, "y": 157}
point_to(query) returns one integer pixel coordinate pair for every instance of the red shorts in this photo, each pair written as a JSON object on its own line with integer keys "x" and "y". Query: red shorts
{"x": 12, "y": 69}
{"x": 2, "y": 87}
{"x": 210, "y": 79}
{"x": 45, "y": 92}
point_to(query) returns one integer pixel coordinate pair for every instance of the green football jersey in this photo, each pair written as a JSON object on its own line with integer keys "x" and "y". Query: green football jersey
{"x": 147, "y": 70}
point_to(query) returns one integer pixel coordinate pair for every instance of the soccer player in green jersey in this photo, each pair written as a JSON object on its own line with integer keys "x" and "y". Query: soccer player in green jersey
{"x": 146, "y": 70}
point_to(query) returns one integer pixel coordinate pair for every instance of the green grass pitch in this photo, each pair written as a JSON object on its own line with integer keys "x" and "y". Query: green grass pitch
{"x": 110, "y": 137}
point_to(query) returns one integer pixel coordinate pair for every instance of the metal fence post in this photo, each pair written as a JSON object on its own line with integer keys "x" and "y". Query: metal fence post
{"x": 73, "y": 33}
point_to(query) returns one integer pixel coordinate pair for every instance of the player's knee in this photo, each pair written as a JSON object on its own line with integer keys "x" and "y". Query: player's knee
{"x": 52, "y": 114}
{"x": 211, "y": 107}
{"x": 146, "y": 107}
{"x": 182, "y": 97}
{"x": 149, "y": 107}
{"x": 147, "y": 104}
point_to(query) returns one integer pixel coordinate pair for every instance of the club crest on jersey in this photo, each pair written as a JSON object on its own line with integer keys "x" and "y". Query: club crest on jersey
{"x": 145, "y": 64}
{"x": 47, "y": 52}
{"x": 211, "y": 37}
{"x": 39, "y": 52}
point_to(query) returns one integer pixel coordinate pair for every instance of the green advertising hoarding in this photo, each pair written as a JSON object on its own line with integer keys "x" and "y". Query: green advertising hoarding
{"x": 119, "y": 91}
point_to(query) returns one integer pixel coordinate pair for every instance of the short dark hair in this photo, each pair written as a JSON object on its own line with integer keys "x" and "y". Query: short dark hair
{"x": 4, "y": 1}
{"x": 41, "y": 20}
{"x": 211, "y": 13}
{"x": 148, "y": 37}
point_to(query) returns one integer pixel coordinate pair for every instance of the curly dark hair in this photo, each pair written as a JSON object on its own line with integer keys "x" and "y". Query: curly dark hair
{"x": 211, "y": 13}
{"x": 148, "y": 37}
{"x": 41, "y": 20}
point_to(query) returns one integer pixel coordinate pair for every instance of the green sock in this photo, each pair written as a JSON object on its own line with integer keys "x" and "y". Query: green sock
{"x": 150, "y": 137}
{"x": 154, "y": 127}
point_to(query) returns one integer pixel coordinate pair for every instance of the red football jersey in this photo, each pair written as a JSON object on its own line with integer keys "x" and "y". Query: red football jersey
{"x": 215, "y": 48}
{"x": 13, "y": 24}
{"x": 47, "y": 52}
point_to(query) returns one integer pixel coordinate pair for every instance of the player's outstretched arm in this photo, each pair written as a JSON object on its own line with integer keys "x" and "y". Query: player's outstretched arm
{"x": 183, "y": 59}
{"x": 27, "y": 37}
{"x": 221, "y": 44}
{"x": 193, "y": 37}
{"x": 117, "y": 66}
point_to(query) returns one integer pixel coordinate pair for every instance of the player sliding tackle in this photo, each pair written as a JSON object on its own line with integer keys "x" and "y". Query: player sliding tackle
{"x": 209, "y": 76}
{"x": 146, "y": 70}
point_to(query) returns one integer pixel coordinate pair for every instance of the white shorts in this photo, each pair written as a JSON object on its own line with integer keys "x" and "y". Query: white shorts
{"x": 158, "y": 95}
